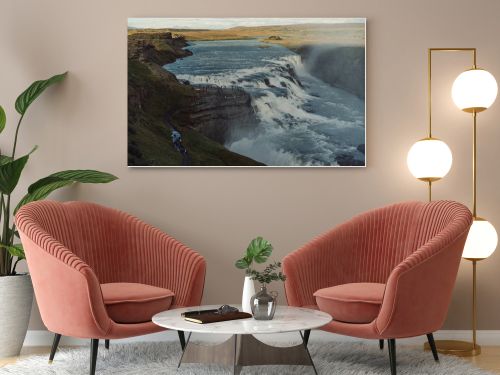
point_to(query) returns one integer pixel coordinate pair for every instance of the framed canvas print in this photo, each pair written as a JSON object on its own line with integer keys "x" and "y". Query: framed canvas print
{"x": 246, "y": 92}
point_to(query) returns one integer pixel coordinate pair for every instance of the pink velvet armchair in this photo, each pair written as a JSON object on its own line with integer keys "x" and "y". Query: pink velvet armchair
{"x": 385, "y": 274}
{"x": 99, "y": 273}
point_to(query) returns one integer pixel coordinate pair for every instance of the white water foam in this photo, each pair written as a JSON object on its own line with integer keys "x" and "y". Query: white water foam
{"x": 283, "y": 105}
{"x": 291, "y": 130}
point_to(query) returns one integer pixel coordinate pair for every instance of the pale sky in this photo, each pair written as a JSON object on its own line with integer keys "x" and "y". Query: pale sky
{"x": 224, "y": 23}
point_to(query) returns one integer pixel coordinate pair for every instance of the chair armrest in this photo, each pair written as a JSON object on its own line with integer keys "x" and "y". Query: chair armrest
{"x": 323, "y": 262}
{"x": 165, "y": 262}
{"x": 67, "y": 290}
{"x": 419, "y": 289}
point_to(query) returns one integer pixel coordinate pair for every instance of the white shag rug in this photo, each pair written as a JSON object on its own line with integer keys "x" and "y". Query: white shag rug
{"x": 162, "y": 358}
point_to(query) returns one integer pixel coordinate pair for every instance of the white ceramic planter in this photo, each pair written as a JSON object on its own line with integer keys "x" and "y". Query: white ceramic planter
{"x": 248, "y": 292}
{"x": 16, "y": 298}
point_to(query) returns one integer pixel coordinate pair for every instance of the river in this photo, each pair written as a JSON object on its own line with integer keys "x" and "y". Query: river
{"x": 302, "y": 120}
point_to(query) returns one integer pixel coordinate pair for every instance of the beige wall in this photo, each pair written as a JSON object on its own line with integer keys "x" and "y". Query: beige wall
{"x": 82, "y": 124}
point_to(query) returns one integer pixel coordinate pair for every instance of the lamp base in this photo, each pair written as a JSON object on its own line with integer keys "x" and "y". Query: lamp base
{"x": 456, "y": 348}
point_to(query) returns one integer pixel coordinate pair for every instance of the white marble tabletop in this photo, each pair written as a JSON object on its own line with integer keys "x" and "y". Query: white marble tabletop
{"x": 286, "y": 319}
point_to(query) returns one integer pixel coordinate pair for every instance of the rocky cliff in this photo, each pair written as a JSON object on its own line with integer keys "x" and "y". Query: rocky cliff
{"x": 158, "y": 103}
{"x": 159, "y": 48}
{"x": 215, "y": 111}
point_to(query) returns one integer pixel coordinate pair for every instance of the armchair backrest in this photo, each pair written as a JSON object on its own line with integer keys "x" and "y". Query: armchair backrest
{"x": 368, "y": 247}
{"x": 386, "y": 236}
{"x": 379, "y": 241}
{"x": 94, "y": 233}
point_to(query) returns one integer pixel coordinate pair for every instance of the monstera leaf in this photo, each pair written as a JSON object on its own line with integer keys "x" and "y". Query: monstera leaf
{"x": 242, "y": 263}
{"x": 258, "y": 250}
{"x": 31, "y": 93}
{"x": 43, "y": 187}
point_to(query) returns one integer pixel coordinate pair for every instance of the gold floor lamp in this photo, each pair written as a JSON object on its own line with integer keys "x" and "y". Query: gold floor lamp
{"x": 430, "y": 159}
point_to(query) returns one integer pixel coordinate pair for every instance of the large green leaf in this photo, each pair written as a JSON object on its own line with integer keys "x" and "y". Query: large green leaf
{"x": 86, "y": 176}
{"x": 43, "y": 187}
{"x": 10, "y": 172}
{"x": 259, "y": 250}
{"x": 4, "y": 159}
{"x": 242, "y": 263}
{"x": 42, "y": 193}
{"x": 15, "y": 250}
{"x": 31, "y": 93}
{"x": 3, "y": 119}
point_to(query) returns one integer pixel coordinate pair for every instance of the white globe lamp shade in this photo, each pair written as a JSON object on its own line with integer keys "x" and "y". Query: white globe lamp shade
{"x": 474, "y": 90}
{"x": 481, "y": 241}
{"x": 429, "y": 159}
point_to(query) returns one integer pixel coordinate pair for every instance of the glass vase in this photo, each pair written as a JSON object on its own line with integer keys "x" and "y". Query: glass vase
{"x": 263, "y": 304}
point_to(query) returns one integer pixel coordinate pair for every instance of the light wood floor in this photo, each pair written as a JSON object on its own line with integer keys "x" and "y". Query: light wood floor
{"x": 488, "y": 360}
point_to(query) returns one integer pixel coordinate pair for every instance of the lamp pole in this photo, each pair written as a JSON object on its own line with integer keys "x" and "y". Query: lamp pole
{"x": 454, "y": 347}
{"x": 429, "y": 97}
{"x": 474, "y": 165}
{"x": 475, "y": 347}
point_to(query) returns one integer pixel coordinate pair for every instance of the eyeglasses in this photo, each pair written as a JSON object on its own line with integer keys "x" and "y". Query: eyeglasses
{"x": 226, "y": 309}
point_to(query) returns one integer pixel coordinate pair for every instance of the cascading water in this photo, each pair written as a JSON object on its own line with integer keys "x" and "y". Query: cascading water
{"x": 302, "y": 120}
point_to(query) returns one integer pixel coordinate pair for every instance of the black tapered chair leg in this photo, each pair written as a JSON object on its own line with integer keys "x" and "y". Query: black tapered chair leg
{"x": 392, "y": 355}
{"x": 94, "y": 346}
{"x": 106, "y": 344}
{"x": 307, "y": 333}
{"x": 432, "y": 344}
{"x": 55, "y": 344}
{"x": 182, "y": 339}
{"x": 381, "y": 344}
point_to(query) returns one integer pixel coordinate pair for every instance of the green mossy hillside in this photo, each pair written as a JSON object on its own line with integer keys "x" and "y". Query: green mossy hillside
{"x": 158, "y": 102}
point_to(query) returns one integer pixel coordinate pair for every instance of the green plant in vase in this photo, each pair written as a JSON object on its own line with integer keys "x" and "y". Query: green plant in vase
{"x": 16, "y": 292}
{"x": 269, "y": 274}
{"x": 258, "y": 251}
{"x": 262, "y": 305}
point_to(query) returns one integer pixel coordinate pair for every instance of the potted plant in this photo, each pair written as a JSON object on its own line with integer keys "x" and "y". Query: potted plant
{"x": 16, "y": 291}
{"x": 258, "y": 250}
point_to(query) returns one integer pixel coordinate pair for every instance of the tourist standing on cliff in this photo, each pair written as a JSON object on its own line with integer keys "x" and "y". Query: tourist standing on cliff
{"x": 177, "y": 141}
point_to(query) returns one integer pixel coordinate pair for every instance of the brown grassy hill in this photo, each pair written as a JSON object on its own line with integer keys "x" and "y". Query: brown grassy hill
{"x": 292, "y": 36}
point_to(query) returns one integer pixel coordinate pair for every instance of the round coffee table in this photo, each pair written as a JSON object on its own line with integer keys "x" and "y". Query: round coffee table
{"x": 242, "y": 348}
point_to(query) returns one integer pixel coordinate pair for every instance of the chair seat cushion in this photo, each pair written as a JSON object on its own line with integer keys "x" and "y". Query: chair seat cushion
{"x": 135, "y": 303}
{"x": 351, "y": 303}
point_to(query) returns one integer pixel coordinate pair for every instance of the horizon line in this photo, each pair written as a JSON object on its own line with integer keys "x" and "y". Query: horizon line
{"x": 228, "y": 23}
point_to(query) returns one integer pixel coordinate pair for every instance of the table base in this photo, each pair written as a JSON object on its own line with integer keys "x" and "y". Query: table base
{"x": 246, "y": 350}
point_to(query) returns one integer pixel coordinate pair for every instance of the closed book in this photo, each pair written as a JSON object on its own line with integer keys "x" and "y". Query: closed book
{"x": 210, "y": 317}
{"x": 196, "y": 313}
